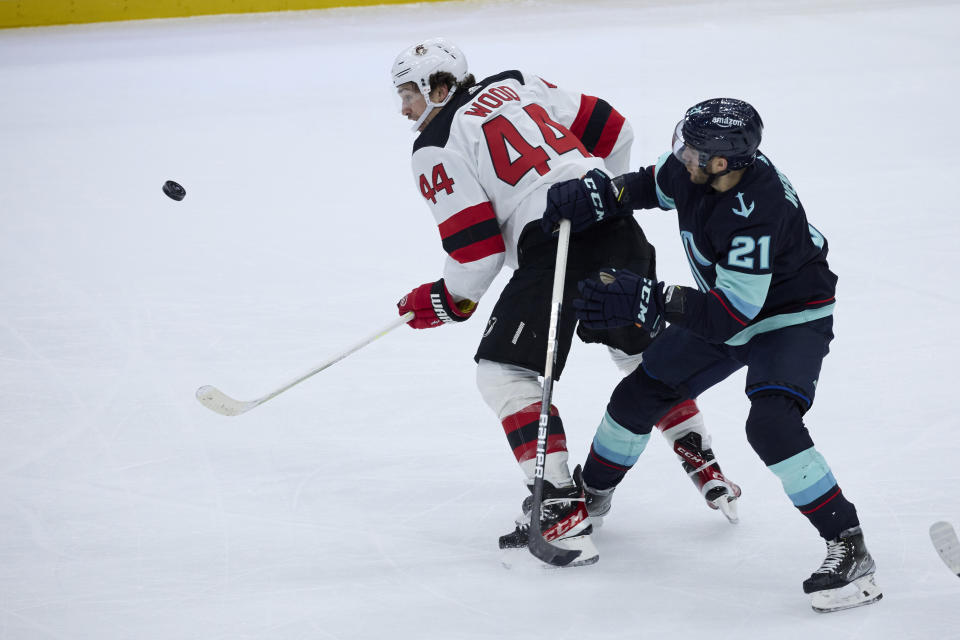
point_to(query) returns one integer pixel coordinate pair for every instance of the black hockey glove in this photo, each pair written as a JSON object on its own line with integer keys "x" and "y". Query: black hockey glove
{"x": 620, "y": 298}
{"x": 584, "y": 202}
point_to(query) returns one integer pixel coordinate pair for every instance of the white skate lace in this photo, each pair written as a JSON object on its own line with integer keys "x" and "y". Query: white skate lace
{"x": 836, "y": 552}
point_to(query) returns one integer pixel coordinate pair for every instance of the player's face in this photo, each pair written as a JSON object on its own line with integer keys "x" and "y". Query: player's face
{"x": 412, "y": 103}
{"x": 689, "y": 156}
{"x": 691, "y": 160}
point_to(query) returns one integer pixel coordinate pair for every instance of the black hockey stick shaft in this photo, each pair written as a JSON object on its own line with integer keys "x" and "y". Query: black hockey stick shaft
{"x": 537, "y": 544}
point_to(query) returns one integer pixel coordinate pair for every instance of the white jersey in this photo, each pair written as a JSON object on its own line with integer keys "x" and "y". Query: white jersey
{"x": 486, "y": 160}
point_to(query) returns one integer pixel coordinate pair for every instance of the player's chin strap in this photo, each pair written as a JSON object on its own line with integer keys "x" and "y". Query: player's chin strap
{"x": 430, "y": 107}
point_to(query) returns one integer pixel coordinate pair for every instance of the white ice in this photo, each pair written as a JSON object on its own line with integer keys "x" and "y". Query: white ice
{"x": 366, "y": 502}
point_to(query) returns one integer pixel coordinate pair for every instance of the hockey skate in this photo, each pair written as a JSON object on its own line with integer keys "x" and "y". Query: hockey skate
{"x": 846, "y": 577}
{"x": 702, "y": 467}
{"x": 598, "y": 501}
{"x": 563, "y": 520}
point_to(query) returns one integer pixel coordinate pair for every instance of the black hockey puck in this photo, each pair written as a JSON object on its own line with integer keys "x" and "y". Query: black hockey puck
{"x": 174, "y": 190}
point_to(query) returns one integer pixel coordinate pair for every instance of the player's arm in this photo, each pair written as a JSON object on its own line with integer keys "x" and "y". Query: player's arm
{"x": 602, "y": 130}
{"x": 621, "y": 298}
{"x": 470, "y": 235}
{"x": 595, "y": 197}
{"x": 652, "y": 187}
{"x": 744, "y": 273}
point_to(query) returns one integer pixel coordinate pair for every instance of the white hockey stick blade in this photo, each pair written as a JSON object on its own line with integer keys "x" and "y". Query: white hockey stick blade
{"x": 216, "y": 400}
{"x": 944, "y": 538}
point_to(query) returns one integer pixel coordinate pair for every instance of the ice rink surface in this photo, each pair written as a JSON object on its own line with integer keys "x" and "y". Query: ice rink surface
{"x": 366, "y": 503}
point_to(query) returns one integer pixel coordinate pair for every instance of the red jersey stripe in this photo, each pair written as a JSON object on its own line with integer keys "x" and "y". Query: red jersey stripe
{"x": 611, "y": 131}
{"x": 587, "y": 103}
{"x": 479, "y": 250}
{"x": 466, "y": 218}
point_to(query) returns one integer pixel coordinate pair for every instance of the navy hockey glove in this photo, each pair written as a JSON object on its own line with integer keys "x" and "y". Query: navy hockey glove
{"x": 433, "y": 306}
{"x": 583, "y": 202}
{"x": 620, "y": 298}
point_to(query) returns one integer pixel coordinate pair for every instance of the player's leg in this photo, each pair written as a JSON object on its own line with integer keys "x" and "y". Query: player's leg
{"x": 511, "y": 356}
{"x": 675, "y": 365}
{"x": 621, "y": 244}
{"x": 783, "y": 368}
{"x": 684, "y": 428}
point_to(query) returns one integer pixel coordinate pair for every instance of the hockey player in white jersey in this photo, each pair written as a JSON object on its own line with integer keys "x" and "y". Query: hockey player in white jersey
{"x": 485, "y": 158}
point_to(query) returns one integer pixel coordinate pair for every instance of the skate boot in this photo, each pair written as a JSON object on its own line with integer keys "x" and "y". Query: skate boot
{"x": 598, "y": 501}
{"x": 703, "y": 468}
{"x": 846, "y": 577}
{"x": 563, "y": 521}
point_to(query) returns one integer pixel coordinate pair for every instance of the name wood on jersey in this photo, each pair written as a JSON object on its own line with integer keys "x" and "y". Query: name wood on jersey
{"x": 491, "y": 99}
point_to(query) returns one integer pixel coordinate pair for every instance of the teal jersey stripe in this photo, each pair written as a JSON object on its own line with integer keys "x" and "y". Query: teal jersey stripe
{"x": 693, "y": 255}
{"x": 617, "y": 444}
{"x": 746, "y": 291}
{"x": 665, "y": 201}
{"x": 779, "y": 322}
{"x": 805, "y": 476}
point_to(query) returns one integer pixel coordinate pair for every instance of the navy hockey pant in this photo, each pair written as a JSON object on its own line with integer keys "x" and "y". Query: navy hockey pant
{"x": 782, "y": 371}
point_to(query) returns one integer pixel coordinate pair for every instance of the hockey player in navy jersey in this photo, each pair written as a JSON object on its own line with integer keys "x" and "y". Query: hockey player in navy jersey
{"x": 486, "y": 155}
{"x": 764, "y": 300}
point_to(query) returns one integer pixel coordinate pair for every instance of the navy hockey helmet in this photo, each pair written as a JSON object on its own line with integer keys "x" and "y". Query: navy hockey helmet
{"x": 724, "y": 127}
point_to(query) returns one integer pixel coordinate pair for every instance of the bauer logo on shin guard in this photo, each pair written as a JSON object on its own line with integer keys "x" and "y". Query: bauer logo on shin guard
{"x": 541, "y": 446}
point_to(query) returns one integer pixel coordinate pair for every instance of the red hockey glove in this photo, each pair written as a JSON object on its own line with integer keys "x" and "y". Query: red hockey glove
{"x": 432, "y": 306}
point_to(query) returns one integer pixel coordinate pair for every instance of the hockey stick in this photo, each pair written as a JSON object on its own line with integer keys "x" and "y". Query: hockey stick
{"x": 537, "y": 544}
{"x": 944, "y": 538}
{"x": 216, "y": 400}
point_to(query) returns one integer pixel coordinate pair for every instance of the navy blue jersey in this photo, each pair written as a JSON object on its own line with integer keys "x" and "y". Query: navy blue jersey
{"x": 758, "y": 263}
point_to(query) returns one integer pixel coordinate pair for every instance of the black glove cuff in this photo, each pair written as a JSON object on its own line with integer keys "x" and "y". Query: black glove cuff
{"x": 443, "y": 304}
{"x": 624, "y": 188}
{"x": 674, "y": 303}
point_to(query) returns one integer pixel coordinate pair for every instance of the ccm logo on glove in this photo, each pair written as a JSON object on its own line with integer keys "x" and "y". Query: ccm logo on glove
{"x": 644, "y": 302}
{"x": 595, "y": 197}
{"x": 618, "y": 298}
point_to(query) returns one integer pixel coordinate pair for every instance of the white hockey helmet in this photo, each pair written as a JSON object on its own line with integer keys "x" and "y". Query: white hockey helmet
{"x": 422, "y": 60}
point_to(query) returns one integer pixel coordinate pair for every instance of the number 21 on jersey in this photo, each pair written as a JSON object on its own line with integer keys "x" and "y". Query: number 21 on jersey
{"x": 742, "y": 250}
